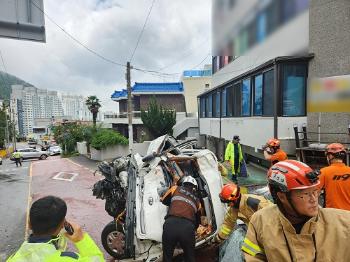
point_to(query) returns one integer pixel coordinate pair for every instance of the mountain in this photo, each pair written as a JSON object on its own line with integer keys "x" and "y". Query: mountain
{"x": 6, "y": 80}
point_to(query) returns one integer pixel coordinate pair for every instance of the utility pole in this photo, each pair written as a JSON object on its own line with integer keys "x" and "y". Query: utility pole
{"x": 7, "y": 126}
{"x": 128, "y": 84}
{"x": 14, "y": 126}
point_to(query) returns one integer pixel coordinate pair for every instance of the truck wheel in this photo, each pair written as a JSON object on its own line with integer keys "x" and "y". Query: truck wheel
{"x": 110, "y": 233}
{"x": 43, "y": 157}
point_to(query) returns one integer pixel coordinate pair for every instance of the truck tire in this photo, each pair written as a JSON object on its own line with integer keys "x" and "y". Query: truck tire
{"x": 43, "y": 157}
{"x": 110, "y": 232}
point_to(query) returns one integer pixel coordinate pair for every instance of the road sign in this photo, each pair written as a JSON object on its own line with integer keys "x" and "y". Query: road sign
{"x": 22, "y": 19}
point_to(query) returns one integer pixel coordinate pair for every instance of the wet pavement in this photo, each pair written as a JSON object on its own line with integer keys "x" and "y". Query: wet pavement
{"x": 14, "y": 186}
{"x": 73, "y": 182}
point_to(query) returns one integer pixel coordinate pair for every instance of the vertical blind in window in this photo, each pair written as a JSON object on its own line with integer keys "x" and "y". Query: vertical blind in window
{"x": 258, "y": 88}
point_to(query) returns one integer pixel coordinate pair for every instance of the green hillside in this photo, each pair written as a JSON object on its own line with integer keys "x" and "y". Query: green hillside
{"x": 6, "y": 80}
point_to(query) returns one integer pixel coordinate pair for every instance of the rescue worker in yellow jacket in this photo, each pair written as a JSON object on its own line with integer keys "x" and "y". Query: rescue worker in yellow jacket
{"x": 296, "y": 228}
{"x": 182, "y": 220}
{"x": 47, "y": 218}
{"x": 241, "y": 206}
{"x": 234, "y": 156}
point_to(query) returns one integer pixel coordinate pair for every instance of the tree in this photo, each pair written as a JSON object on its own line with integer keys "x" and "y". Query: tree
{"x": 157, "y": 119}
{"x": 93, "y": 104}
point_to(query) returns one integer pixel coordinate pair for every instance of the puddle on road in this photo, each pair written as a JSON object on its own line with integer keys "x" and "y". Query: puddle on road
{"x": 9, "y": 178}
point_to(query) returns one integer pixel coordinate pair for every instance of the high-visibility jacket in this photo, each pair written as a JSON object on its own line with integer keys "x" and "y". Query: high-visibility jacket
{"x": 17, "y": 154}
{"x": 280, "y": 155}
{"x": 248, "y": 205}
{"x": 47, "y": 252}
{"x": 230, "y": 156}
{"x": 335, "y": 179}
{"x": 271, "y": 237}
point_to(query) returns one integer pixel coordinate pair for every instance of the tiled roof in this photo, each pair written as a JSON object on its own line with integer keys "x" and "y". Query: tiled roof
{"x": 154, "y": 88}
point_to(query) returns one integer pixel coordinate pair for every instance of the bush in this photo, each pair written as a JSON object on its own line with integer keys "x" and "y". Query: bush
{"x": 106, "y": 137}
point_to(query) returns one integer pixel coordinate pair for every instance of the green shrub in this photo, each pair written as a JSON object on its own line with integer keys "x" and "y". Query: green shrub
{"x": 106, "y": 137}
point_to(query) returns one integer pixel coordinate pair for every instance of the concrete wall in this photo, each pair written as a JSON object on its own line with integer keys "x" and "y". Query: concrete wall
{"x": 109, "y": 153}
{"x": 291, "y": 39}
{"x": 330, "y": 41}
{"x": 253, "y": 131}
{"x": 82, "y": 148}
{"x": 193, "y": 86}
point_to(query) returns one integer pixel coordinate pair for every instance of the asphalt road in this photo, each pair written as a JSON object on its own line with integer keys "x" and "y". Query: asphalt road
{"x": 14, "y": 186}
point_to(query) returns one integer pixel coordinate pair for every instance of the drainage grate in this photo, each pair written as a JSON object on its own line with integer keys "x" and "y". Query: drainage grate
{"x": 65, "y": 176}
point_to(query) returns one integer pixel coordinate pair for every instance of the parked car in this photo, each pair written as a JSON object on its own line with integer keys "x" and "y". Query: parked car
{"x": 0, "y": 161}
{"x": 31, "y": 153}
{"x": 54, "y": 150}
{"x": 132, "y": 192}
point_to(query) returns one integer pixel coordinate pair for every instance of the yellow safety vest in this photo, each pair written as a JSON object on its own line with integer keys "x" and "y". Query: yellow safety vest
{"x": 230, "y": 156}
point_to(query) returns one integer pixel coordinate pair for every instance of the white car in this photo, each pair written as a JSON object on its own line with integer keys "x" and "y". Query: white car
{"x": 54, "y": 150}
{"x": 31, "y": 153}
{"x": 142, "y": 226}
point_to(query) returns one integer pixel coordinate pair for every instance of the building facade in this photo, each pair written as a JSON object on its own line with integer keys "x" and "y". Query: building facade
{"x": 29, "y": 103}
{"x": 74, "y": 107}
{"x": 168, "y": 95}
{"x": 264, "y": 53}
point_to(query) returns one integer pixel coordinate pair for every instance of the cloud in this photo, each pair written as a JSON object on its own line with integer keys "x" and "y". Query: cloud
{"x": 177, "y": 35}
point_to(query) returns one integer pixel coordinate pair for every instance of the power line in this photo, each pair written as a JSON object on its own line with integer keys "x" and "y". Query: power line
{"x": 143, "y": 29}
{"x": 76, "y": 40}
{"x": 201, "y": 61}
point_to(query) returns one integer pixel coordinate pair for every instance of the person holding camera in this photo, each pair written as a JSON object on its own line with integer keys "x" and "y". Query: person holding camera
{"x": 47, "y": 243}
{"x": 273, "y": 151}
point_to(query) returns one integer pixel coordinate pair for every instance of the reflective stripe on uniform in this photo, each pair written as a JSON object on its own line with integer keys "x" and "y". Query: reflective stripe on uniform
{"x": 225, "y": 230}
{"x": 180, "y": 198}
{"x": 251, "y": 248}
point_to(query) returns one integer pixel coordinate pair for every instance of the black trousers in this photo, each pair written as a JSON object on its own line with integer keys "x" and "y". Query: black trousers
{"x": 177, "y": 230}
{"x": 18, "y": 161}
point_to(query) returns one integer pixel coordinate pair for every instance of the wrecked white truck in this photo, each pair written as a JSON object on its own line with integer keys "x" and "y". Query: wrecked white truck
{"x": 132, "y": 190}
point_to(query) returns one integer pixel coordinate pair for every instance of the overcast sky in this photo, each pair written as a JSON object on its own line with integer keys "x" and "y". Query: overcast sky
{"x": 177, "y": 36}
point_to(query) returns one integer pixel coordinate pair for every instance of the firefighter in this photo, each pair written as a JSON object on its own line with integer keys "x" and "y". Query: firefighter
{"x": 273, "y": 151}
{"x": 182, "y": 220}
{"x": 46, "y": 219}
{"x": 296, "y": 229}
{"x": 17, "y": 156}
{"x": 335, "y": 179}
{"x": 244, "y": 205}
{"x": 234, "y": 156}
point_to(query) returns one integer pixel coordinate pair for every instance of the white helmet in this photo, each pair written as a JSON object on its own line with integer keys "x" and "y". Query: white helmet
{"x": 191, "y": 180}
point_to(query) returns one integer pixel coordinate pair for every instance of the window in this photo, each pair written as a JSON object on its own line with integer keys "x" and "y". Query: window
{"x": 237, "y": 99}
{"x": 258, "y": 88}
{"x": 209, "y": 106}
{"x": 261, "y": 27}
{"x": 223, "y": 104}
{"x": 202, "y": 106}
{"x": 293, "y": 90}
{"x": 268, "y": 93}
{"x": 229, "y": 99}
{"x": 217, "y": 98}
{"x": 213, "y": 99}
{"x": 246, "y": 94}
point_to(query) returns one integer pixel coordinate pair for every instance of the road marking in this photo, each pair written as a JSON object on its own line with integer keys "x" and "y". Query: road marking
{"x": 60, "y": 176}
{"x": 29, "y": 200}
{"x": 73, "y": 162}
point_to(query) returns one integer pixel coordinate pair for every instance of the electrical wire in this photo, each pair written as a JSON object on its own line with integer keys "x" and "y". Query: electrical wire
{"x": 141, "y": 33}
{"x": 76, "y": 40}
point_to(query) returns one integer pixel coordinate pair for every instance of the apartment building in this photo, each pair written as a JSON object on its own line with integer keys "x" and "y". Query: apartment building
{"x": 74, "y": 107}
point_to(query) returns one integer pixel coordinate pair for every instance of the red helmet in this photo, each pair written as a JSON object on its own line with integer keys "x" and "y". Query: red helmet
{"x": 335, "y": 148}
{"x": 288, "y": 175}
{"x": 273, "y": 142}
{"x": 229, "y": 193}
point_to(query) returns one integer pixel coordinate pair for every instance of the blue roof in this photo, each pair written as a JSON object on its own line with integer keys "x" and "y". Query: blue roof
{"x": 197, "y": 73}
{"x": 154, "y": 88}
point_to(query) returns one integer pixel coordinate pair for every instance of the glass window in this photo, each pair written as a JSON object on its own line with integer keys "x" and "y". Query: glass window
{"x": 268, "y": 93}
{"x": 237, "y": 99}
{"x": 237, "y": 46}
{"x": 294, "y": 89}
{"x": 223, "y": 104}
{"x": 202, "y": 106}
{"x": 258, "y": 86}
{"x": 302, "y": 5}
{"x": 210, "y": 104}
{"x": 214, "y": 104}
{"x": 243, "y": 45}
{"x": 217, "y": 104}
{"x": 272, "y": 16}
{"x": 229, "y": 99}
{"x": 252, "y": 34}
{"x": 261, "y": 27}
{"x": 246, "y": 94}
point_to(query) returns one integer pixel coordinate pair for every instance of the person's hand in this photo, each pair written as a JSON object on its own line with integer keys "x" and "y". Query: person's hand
{"x": 78, "y": 233}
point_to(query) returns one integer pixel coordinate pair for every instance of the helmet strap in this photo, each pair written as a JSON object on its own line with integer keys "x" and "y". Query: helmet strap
{"x": 294, "y": 216}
